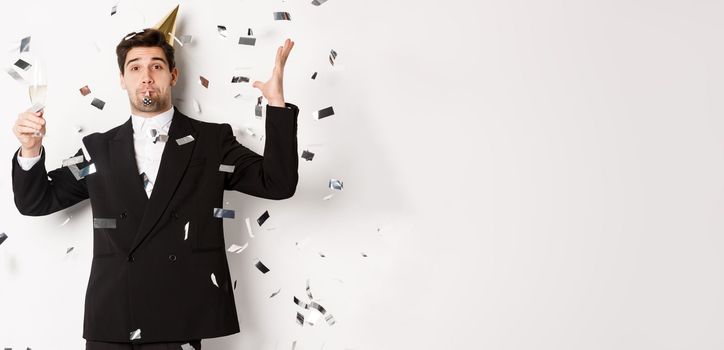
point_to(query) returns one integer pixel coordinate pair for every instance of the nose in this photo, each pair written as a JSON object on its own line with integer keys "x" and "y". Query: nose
{"x": 146, "y": 77}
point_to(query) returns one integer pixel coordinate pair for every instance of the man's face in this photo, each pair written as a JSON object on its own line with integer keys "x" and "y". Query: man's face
{"x": 147, "y": 75}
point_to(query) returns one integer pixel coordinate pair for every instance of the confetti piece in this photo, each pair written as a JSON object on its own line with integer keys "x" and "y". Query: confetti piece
{"x": 85, "y": 90}
{"x": 184, "y": 140}
{"x": 147, "y": 184}
{"x": 187, "y": 346}
{"x": 322, "y": 255}
{"x": 25, "y": 44}
{"x": 308, "y": 156}
{"x": 237, "y": 249}
{"x": 364, "y": 254}
{"x": 104, "y": 223}
{"x": 250, "y": 32}
{"x": 332, "y": 56}
{"x": 223, "y": 213}
{"x": 186, "y": 231}
{"x": 135, "y": 335}
{"x": 309, "y": 291}
{"x": 227, "y": 168}
{"x": 300, "y": 319}
{"x": 222, "y": 31}
{"x": 97, "y": 103}
{"x": 335, "y": 184}
{"x": 234, "y": 284}
{"x": 257, "y": 109}
{"x": 263, "y": 218}
{"x": 282, "y": 16}
{"x": 259, "y": 265}
{"x": 15, "y": 75}
{"x": 323, "y": 113}
{"x": 204, "y": 82}
{"x": 197, "y": 106}
{"x": 328, "y": 197}
{"x": 67, "y": 220}
{"x": 88, "y": 170}
{"x": 314, "y": 76}
{"x": 184, "y": 39}
{"x": 250, "y": 132}
{"x": 73, "y": 160}
{"x": 275, "y": 293}
{"x": 318, "y": 2}
{"x": 239, "y": 79}
{"x": 22, "y": 64}
{"x": 69, "y": 250}
{"x": 243, "y": 40}
{"x": 75, "y": 171}
{"x": 330, "y": 319}
{"x": 3, "y": 237}
{"x": 213, "y": 279}
{"x": 86, "y": 154}
{"x": 248, "y": 227}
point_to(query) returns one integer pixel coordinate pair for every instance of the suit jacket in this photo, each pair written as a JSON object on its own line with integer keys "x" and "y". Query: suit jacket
{"x": 145, "y": 275}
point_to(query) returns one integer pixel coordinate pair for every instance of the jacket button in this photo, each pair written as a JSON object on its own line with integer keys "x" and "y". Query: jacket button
{"x": 123, "y": 215}
{"x": 172, "y": 257}
{"x": 131, "y": 259}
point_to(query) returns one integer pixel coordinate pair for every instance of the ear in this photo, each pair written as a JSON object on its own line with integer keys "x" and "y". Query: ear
{"x": 122, "y": 81}
{"x": 174, "y": 76}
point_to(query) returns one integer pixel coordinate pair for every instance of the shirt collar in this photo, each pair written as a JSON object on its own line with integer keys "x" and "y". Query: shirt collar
{"x": 160, "y": 121}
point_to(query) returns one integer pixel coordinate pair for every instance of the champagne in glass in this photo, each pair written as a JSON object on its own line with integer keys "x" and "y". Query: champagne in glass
{"x": 38, "y": 88}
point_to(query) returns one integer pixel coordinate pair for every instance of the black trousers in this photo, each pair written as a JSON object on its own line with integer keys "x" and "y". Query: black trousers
{"x": 97, "y": 345}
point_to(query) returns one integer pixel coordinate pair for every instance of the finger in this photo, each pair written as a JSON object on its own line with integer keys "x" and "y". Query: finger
{"x": 35, "y": 119}
{"x": 257, "y": 84}
{"x": 24, "y": 130}
{"x": 278, "y": 60}
{"x": 29, "y": 124}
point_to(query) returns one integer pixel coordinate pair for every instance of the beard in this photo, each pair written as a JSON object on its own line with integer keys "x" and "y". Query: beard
{"x": 158, "y": 103}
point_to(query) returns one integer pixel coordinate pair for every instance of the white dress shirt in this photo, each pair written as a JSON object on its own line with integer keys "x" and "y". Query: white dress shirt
{"x": 148, "y": 154}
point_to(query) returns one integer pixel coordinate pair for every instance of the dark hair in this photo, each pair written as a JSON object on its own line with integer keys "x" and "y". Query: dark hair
{"x": 147, "y": 38}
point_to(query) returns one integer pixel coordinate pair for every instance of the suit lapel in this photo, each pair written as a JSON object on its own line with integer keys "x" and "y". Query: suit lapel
{"x": 122, "y": 157}
{"x": 174, "y": 161}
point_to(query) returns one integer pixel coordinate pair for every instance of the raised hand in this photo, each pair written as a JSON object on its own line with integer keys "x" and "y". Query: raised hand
{"x": 24, "y": 129}
{"x": 273, "y": 89}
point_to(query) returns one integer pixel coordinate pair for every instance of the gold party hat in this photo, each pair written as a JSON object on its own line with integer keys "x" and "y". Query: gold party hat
{"x": 167, "y": 25}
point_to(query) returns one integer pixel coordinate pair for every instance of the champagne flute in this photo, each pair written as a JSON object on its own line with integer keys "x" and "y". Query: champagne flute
{"x": 38, "y": 88}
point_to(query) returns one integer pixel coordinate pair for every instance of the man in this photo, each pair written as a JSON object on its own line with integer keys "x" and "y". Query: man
{"x": 159, "y": 277}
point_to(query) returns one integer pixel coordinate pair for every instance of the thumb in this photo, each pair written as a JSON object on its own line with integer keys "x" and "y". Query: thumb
{"x": 257, "y": 84}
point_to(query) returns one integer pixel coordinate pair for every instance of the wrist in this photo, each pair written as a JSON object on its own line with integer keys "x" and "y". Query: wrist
{"x": 30, "y": 152}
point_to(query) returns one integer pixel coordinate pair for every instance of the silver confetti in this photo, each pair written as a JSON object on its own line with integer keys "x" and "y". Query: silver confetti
{"x": 248, "y": 227}
{"x": 75, "y": 171}
{"x": 135, "y": 335}
{"x": 259, "y": 265}
{"x": 314, "y": 76}
{"x": 186, "y": 231}
{"x": 187, "y": 346}
{"x": 282, "y": 16}
{"x": 275, "y": 293}
{"x": 364, "y": 255}
{"x": 227, "y": 168}
{"x": 15, "y": 75}
{"x": 330, "y": 319}
{"x": 88, "y": 170}
{"x": 309, "y": 291}
{"x": 73, "y": 160}
{"x": 25, "y": 44}
{"x": 323, "y": 113}
{"x": 69, "y": 250}
{"x": 67, "y": 220}
{"x": 104, "y": 223}
{"x": 97, "y": 103}
{"x": 223, "y": 213}
{"x": 213, "y": 279}
{"x": 250, "y": 132}
{"x": 257, "y": 109}
{"x": 243, "y": 40}
{"x": 184, "y": 39}
{"x": 22, "y": 64}
{"x": 222, "y": 31}
{"x": 300, "y": 303}
{"x": 250, "y": 32}
{"x": 184, "y": 140}
{"x": 86, "y": 154}
{"x": 234, "y": 284}
{"x": 328, "y": 197}
{"x": 197, "y": 106}
{"x": 308, "y": 156}
{"x": 237, "y": 249}
{"x": 318, "y": 2}
{"x": 203, "y": 81}
{"x": 239, "y": 79}
{"x": 300, "y": 319}
{"x": 263, "y": 218}
{"x": 335, "y": 184}
{"x": 322, "y": 255}
{"x": 294, "y": 344}
{"x": 3, "y": 237}
{"x": 114, "y": 9}
{"x": 332, "y": 56}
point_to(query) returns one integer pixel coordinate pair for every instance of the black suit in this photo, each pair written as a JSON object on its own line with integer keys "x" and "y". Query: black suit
{"x": 144, "y": 274}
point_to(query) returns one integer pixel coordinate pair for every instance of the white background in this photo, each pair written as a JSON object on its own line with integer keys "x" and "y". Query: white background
{"x": 545, "y": 174}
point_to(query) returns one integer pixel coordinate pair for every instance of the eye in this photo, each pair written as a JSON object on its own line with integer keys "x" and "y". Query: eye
{"x": 157, "y": 66}
{"x": 134, "y": 68}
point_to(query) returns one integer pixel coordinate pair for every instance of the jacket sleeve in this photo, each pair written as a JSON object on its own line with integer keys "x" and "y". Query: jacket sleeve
{"x": 273, "y": 176}
{"x": 38, "y": 192}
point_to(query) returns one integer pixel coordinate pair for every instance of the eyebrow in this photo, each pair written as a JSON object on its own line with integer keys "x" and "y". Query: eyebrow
{"x": 152, "y": 59}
